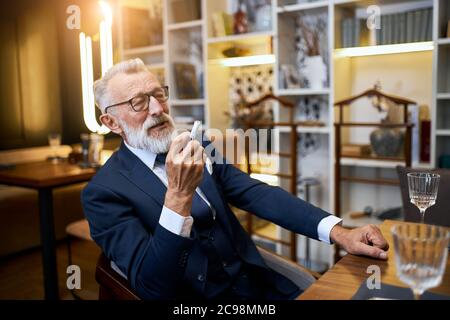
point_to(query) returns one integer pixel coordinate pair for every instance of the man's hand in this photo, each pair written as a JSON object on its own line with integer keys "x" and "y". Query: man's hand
{"x": 184, "y": 165}
{"x": 366, "y": 240}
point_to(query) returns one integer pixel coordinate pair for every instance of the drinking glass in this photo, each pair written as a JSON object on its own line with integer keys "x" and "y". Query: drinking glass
{"x": 420, "y": 255}
{"x": 423, "y": 189}
{"x": 54, "y": 141}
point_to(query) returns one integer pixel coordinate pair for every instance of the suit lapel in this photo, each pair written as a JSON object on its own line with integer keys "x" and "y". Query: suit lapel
{"x": 140, "y": 175}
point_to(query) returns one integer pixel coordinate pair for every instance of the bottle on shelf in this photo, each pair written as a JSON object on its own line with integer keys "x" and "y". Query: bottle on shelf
{"x": 240, "y": 19}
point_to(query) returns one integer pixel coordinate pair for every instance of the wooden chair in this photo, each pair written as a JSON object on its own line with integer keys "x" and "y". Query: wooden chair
{"x": 113, "y": 286}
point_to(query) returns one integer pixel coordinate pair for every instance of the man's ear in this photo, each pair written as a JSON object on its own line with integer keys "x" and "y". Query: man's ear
{"x": 111, "y": 122}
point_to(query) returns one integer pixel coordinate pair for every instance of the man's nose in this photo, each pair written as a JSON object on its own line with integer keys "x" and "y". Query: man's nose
{"x": 155, "y": 108}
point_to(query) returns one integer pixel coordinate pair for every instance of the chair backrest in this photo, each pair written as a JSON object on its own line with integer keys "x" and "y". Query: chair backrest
{"x": 302, "y": 277}
{"x": 439, "y": 214}
{"x": 112, "y": 285}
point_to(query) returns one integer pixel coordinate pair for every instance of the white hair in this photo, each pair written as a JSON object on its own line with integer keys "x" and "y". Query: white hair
{"x": 101, "y": 85}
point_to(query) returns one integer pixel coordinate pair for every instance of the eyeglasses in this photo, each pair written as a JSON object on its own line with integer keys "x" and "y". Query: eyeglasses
{"x": 141, "y": 101}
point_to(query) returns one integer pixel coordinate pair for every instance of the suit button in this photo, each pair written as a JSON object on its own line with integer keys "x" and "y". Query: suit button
{"x": 224, "y": 264}
{"x": 200, "y": 278}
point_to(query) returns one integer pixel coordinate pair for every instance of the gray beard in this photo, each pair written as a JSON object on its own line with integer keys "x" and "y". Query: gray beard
{"x": 140, "y": 139}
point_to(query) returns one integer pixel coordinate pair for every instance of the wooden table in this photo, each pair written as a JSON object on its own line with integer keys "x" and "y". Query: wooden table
{"x": 44, "y": 177}
{"x": 343, "y": 280}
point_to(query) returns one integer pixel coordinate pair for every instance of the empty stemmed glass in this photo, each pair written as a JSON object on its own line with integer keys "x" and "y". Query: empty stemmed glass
{"x": 421, "y": 255}
{"x": 423, "y": 189}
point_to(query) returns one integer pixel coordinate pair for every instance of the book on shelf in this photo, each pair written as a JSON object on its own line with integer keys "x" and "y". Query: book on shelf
{"x": 425, "y": 140}
{"x": 409, "y": 26}
{"x": 222, "y": 24}
{"x": 356, "y": 150}
{"x": 430, "y": 25}
{"x": 417, "y": 25}
{"x": 402, "y": 27}
{"x": 350, "y": 32}
{"x": 186, "y": 81}
{"x": 424, "y": 26}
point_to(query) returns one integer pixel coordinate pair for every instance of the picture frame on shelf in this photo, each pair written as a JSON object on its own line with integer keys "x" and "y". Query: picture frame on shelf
{"x": 142, "y": 27}
{"x": 186, "y": 81}
{"x": 186, "y": 10}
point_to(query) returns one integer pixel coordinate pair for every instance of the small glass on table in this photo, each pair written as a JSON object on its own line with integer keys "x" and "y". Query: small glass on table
{"x": 420, "y": 255}
{"x": 54, "y": 141}
{"x": 423, "y": 189}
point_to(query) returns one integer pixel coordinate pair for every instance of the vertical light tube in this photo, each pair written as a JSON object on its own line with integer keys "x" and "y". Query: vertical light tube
{"x": 85, "y": 81}
{"x": 90, "y": 120}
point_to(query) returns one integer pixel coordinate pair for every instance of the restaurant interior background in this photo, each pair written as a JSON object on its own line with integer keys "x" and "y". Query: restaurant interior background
{"x": 217, "y": 57}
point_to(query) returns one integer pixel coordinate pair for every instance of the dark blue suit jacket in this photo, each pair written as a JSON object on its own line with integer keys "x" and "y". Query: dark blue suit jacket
{"x": 123, "y": 203}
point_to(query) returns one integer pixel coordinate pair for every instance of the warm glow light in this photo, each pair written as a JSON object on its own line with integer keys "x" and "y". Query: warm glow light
{"x": 107, "y": 12}
{"x": 384, "y": 49}
{"x": 106, "y": 37}
{"x": 248, "y": 61}
{"x": 87, "y": 73}
{"x": 87, "y": 79}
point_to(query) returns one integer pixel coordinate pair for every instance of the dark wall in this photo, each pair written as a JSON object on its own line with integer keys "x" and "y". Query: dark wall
{"x": 29, "y": 84}
{"x": 40, "y": 75}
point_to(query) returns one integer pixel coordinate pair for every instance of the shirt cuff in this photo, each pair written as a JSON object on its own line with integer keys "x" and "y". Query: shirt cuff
{"x": 325, "y": 226}
{"x": 176, "y": 223}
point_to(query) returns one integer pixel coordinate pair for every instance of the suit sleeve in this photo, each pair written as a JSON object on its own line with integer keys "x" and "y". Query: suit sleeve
{"x": 153, "y": 262}
{"x": 268, "y": 202}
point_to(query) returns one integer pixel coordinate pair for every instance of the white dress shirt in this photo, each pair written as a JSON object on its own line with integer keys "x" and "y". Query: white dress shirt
{"x": 182, "y": 226}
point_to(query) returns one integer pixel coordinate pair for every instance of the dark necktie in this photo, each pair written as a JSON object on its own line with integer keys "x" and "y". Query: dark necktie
{"x": 200, "y": 210}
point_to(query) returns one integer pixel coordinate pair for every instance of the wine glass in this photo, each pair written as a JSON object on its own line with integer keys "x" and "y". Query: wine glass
{"x": 420, "y": 255}
{"x": 423, "y": 189}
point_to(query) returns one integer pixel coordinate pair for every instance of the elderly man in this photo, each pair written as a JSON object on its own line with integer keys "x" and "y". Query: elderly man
{"x": 165, "y": 221}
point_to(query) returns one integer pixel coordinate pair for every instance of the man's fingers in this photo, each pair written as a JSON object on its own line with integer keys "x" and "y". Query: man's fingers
{"x": 375, "y": 237}
{"x": 178, "y": 144}
{"x": 371, "y": 251}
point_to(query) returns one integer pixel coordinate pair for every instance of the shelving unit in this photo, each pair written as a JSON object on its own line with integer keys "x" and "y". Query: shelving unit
{"x": 441, "y": 84}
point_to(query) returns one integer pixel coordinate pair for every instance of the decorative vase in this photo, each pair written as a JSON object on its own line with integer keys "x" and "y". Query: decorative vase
{"x": 386, "y": 142}
{"x": 263, "y": 18}
{"x": 315, "y": 71}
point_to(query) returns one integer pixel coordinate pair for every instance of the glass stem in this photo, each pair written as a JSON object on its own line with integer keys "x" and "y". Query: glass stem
{"x": 422, "y": 215}
{"x": 417, "y": 294}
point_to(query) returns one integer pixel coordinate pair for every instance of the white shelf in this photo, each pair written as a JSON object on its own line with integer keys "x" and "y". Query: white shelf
{"x": 397, "y": 48}
{"x": 444, "y": 41}
{"x": 143, "y": 50}
{"x": 337, "y": 2}
{"x": 369, "y": 163}
{"x": 443, "y": 132}
{"x": 183, "y": 102}
{"x": 302, "y": 92}
{"x": 320, "y": 130}
{"x": 443, "y": 96}
{"x": 302, "y": 6}
{"x": 185, "y": 25}
{"x": 240, "y": 37}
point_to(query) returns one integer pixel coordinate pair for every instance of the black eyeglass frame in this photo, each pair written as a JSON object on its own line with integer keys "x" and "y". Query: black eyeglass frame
{"x": 148, "y": 94}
